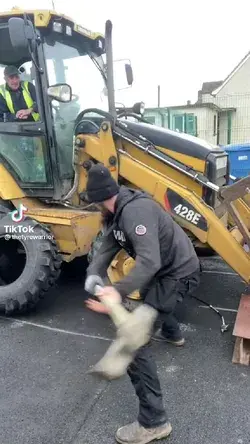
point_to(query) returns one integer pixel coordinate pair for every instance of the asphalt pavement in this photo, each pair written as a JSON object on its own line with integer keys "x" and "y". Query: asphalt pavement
{"x": 47, "y": 397}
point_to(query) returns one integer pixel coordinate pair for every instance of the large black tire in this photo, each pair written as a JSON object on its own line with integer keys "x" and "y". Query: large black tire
{"x": 36, "y": 265}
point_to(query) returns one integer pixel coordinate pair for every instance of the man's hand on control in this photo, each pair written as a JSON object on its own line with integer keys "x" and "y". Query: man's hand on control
{"x": 23, "y": 113}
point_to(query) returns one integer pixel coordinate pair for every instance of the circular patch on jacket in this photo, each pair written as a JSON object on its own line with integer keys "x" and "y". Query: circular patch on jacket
{"x": 140, "y": 230}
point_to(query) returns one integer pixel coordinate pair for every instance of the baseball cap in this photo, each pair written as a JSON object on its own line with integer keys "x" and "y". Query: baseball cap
{"x": 11, "y": 71}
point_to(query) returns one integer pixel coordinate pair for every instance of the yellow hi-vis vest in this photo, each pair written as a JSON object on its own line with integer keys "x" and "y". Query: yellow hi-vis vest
{"x": 26, "y": 95}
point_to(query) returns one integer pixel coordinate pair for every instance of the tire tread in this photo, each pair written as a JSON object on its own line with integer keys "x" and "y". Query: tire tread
{"x": 50, "y": 263}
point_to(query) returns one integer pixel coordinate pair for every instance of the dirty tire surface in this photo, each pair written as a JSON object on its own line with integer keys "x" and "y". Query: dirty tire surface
{"x": 41, "y": 270}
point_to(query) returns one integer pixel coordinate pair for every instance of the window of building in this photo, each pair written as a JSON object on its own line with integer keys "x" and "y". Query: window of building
{"x": 185, "y": 123}
{"x": 179, "y": 123}
{"x": 150, "y": 119}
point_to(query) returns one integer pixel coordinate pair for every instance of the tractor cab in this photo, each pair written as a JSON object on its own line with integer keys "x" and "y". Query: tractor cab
{"x": 65, "y": 64}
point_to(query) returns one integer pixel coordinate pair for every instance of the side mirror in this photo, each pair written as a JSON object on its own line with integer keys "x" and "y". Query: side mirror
{"x": 21, "y": 32}
{"x": 123, "y": 74}
{"x": 62, "y": 92}
{"x": 129, "y": 73}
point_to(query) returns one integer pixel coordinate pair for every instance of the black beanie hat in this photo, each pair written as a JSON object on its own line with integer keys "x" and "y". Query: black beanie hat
{"x": 100, "y": 185}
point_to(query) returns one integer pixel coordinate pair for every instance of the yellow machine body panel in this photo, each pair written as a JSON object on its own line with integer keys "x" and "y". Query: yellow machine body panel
{"x": 103, "y": 148}
{"x": 73, "y": 230}
{"x": 167, "y": 170}
{"x": 9, "y": 189}
{"x": 197, "y": 164}
{"x": 42, "y": 18}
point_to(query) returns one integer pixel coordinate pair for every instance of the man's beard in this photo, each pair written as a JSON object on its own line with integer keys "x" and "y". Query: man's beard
{"x": 107, "y": 216}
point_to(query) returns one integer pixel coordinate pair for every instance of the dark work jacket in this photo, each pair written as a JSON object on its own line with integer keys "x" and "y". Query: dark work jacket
{"x": 149, "y": 234}
{"x": 18, "y": 104}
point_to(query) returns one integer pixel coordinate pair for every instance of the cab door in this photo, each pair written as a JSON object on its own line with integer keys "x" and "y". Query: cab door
{"x": 24, "y": 146}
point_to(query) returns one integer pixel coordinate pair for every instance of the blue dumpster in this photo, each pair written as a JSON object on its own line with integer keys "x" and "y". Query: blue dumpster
{"x": 239, "y": 157}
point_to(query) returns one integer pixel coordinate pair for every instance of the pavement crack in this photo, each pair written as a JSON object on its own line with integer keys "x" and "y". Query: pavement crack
{"x": 77, "y": 439}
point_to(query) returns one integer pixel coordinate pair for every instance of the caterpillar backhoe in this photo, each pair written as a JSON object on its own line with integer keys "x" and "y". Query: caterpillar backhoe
{"x": 44, "y": 217}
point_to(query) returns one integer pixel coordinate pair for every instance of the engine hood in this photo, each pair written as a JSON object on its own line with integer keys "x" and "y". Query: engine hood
{"x": 172, "y": 140}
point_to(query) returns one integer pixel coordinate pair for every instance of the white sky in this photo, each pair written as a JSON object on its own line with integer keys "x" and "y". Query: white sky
{"x": 177, "y": 44}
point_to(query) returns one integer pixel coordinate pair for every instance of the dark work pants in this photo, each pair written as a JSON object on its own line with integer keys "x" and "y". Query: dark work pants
{"x": 143, "y": 374}
{"x": 163, "y": 294}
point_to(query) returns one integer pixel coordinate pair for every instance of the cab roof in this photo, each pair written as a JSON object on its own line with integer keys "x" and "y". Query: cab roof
{"x": 43, "y": 17}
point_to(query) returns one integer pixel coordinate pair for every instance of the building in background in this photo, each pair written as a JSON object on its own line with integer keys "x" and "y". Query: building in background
{"x": 221, "y": 114}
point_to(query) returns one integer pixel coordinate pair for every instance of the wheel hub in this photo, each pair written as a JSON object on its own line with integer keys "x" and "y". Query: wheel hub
{"x": 12, "y": 260}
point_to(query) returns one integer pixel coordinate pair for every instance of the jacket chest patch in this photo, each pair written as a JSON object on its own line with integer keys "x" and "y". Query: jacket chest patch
{"x": 119, "y": 235}
{"x": 140, "y": 230}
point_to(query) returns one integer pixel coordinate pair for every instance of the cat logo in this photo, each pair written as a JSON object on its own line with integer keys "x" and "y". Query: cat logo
{"x": 119, "y": 235}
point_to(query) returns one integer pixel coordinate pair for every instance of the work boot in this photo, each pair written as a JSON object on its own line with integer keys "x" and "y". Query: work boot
{"x": 160, "y": 337}
{"x": 136, "y": 434}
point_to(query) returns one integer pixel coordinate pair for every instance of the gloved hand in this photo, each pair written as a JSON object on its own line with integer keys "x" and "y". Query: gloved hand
{"x": 91, "y": 283}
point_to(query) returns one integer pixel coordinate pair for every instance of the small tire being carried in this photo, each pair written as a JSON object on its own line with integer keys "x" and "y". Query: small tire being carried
{"x": 95, "y": 246}
{"x": 30, "y": 264}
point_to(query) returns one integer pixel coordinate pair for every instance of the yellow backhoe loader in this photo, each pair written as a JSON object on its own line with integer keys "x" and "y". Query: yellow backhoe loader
{"x": 44, "y": 219}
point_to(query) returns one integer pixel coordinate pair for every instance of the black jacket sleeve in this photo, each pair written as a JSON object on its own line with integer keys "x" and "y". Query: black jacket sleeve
{"x": 5, "y": 110}
{"x": 135, "y": 220}
{"x": 108, "y": 249}
{"x": 32, "y": 91}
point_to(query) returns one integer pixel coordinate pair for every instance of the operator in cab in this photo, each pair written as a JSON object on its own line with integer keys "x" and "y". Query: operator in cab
{"x": 17, "y": 98}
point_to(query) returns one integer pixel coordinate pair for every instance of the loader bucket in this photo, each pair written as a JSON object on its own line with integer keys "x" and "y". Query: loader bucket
{"x": 236, "y": 197}
{"x": 242, "y": 332}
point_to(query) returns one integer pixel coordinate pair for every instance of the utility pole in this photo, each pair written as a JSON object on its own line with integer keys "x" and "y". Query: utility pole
{"x": 159, "y": 96}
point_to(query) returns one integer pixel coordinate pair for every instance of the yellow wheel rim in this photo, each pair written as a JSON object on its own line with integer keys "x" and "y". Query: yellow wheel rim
{"x": 120, "y": 267}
